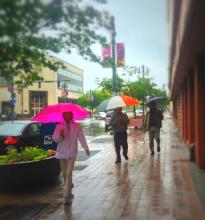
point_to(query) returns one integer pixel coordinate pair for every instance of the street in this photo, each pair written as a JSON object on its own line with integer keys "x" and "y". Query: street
{"x": 92, "y": 127}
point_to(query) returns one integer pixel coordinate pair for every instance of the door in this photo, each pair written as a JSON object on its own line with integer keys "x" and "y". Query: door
{"x": 38, "y": 101}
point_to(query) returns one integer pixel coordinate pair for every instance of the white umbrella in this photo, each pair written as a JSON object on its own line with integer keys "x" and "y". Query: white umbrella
{"x": 117, "y": 101}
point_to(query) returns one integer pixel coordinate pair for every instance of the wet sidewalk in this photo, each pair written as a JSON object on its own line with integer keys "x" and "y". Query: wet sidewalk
{"x": 164, "y": 186}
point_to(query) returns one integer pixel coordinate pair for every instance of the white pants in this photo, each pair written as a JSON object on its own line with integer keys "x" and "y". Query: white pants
{"x": 67, "y": 170}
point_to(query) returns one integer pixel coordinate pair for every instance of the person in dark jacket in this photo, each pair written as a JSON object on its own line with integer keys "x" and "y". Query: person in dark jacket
{"x": 119, "y": 122}
{"x": 153, "y": 123}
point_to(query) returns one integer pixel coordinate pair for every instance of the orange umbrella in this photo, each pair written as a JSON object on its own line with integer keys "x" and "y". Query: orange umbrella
{"x": 129, "y": 101}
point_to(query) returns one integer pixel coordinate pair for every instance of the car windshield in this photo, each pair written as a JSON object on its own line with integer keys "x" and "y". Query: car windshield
{"x": 102, "y": 113}
{"x": 110, "y": 114}
{"x": 11, "y": 129}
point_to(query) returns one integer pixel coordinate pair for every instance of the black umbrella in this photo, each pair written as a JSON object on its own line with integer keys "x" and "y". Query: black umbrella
{"x": 156, "y": 100}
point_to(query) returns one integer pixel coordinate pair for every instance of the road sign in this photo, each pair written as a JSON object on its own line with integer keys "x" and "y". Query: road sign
{"x": 12, "y": 101}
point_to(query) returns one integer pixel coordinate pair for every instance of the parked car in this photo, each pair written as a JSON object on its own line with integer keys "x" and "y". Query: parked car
{"x": 100, "y": 115}
{"x": 18, "y": 134}
{"x": 139, "y": 112}
{"x": 108, "y": 126}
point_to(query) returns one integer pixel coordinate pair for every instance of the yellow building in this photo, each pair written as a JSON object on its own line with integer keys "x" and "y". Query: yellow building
{"x": 65, "y": 85}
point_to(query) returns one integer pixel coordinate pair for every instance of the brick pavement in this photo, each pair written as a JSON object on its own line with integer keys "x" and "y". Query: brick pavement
{"x": 146, "y": 187}
{"x": 158, "y": 187}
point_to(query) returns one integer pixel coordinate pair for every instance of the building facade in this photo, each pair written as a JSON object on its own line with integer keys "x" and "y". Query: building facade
{"x": 187, "y": 72}
{"x": 65, "y": 85}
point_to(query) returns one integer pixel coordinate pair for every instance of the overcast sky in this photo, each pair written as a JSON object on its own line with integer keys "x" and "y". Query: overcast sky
{"x": 142, "y": 26}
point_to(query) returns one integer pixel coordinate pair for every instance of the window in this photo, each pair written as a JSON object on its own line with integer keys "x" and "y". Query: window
{"x": 34, "y": 129}
{"x": 70, "y": 74}
{"x": 11, "y": 128}
{"x": 38, "y": 100}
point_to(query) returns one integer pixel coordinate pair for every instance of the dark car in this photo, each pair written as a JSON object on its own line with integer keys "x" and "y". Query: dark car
{"x": 18, "y": 134}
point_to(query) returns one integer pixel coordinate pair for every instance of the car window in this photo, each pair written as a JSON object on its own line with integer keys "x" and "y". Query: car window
{"x": 34, "y": 129}
{"x": 11, "y": 129}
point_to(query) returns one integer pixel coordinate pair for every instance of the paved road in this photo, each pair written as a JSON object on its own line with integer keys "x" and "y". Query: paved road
{"x": 92, "y": 128}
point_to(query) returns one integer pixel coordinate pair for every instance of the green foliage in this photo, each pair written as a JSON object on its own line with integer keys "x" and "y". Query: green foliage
{"x": 97, "y": 97}
{"x": 27, "y": 154}
{"x": 31, "y": 29}
{"x": 161, "y": 93}
{"x": 140, "y": 88}
{"x": 106, "y": 84}
{"x": 83, "y": 100}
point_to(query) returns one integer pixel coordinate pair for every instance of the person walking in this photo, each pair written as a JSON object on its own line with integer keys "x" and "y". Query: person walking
{"x": 119, "y": 122}
{"x": 153, "y": 123}
{"x": 66, "y": 135}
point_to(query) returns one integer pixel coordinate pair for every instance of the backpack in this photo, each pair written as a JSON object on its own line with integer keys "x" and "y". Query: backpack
{"x": 156, "y": 118}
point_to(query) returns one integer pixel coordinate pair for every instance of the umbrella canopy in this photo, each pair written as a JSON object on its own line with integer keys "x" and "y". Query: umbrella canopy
{"x": 117, "y": 101}
{"x": 53, "y": 113}
{"x": 102, "y": 106}
{"x": 155, "y": 99}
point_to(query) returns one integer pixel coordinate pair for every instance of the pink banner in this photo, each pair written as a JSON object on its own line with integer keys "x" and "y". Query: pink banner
{"x": 120, "y": 54}
{"x": 106, "y": 52}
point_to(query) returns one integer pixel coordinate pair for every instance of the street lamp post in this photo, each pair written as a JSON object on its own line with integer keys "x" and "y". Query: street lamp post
{"x": 12, "y": 101}
{"x": 91, "y": 99}
{"x": 144, "y": 71}
{"x": 113, "y": 57}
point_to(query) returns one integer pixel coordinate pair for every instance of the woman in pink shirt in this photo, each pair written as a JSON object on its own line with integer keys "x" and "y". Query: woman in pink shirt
{"x": 66, "y": 135}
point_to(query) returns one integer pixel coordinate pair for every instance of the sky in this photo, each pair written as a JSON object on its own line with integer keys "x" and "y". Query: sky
{"x": 142, "y": 26}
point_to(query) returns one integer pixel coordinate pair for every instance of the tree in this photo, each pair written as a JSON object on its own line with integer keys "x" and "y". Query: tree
{"x": 93, "y": 99}
{"x": 140, "y": 88}
{"x": 83, "y": 100}
{"x": 161, "y": 93}
{"x": 31, "y": 29}
{"x": 106, "y": 84}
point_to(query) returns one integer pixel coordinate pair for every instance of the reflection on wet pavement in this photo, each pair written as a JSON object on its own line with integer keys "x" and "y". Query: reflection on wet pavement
{"x": 146, "y": 187}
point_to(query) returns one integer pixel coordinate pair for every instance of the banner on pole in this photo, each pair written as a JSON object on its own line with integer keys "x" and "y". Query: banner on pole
{"x": 120, "y": 54}
{"x": 106, "y": 52}
{"x": 107, "y": 56}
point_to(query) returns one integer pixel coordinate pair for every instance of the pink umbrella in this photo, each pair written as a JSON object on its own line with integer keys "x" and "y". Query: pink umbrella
{"x": 53, "y": 113}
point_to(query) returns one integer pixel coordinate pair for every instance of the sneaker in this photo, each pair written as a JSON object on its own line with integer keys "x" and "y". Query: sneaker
{"x": 158, "y": 149}
{"x": 152, "y": 153}
{"x": 126, "y": 157}
{"x": 118, "y": 161}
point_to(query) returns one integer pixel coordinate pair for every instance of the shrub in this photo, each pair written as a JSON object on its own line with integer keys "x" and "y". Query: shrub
{"x": 27, "y": 154}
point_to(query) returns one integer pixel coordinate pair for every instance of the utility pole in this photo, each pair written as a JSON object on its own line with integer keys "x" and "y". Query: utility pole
{"x": 143, "y": 72}
{"x": 113, "y": 56}
{"x": 90, "y": 98}
{"x": 65, "y": 92}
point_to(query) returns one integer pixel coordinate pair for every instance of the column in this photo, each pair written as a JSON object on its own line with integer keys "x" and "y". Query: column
{"x": 199, "y": 96}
